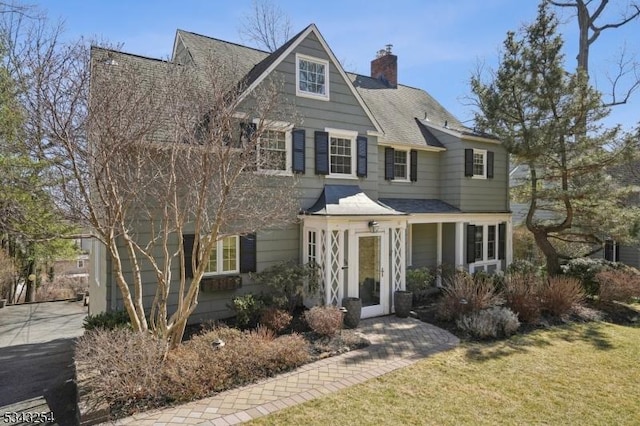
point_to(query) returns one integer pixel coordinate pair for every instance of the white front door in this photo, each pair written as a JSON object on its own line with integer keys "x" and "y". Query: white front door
{"x": 373, "y": 288}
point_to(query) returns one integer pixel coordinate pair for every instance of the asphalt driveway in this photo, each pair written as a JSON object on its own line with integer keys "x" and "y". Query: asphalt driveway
{"x": 36, "y": 355}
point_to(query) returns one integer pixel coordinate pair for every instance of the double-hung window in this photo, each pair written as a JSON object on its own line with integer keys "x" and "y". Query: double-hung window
{"x": 400, "y": 165}
{"x": 342, "y": 152}
{"x": 274, "y": 148}
{"x": 312, "y": 77}
{"x": 224, "y": 258}
{"x": 479, "y": 163}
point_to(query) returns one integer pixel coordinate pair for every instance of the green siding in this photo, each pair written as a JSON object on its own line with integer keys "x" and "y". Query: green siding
{"x": 449, "y": 244}
{"x": 424, "y": 241}
{"x": 428, "y": 183}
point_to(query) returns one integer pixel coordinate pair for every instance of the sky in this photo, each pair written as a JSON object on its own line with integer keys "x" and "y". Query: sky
{"x": 439, "y": 43}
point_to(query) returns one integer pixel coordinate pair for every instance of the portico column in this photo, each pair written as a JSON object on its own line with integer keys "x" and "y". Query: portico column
{"x": 439, "y": 252}
{"x": 509, "y": 242}
{"x": 459, "y": 244}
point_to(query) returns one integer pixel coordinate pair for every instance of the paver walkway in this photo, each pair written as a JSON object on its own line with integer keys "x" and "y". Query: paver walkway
{"x": 395, "y": 343}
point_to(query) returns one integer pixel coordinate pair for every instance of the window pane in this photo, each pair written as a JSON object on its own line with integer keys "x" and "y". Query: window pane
{"x": 273, "y": 150}
{"x": 340, "y": 155}
{"x": 400, "y": 164}
{"x": 311, "y": 77}
{"x": 491, "y": 242}
{"x": 311, "y": 247}
{"x": 478, "y": 164}
{"x": 478, "y": 245}
{"x": 229, "y": 254}
{"x": 212, "y": 266}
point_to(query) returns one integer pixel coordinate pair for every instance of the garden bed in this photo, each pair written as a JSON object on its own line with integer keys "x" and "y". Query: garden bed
{"x": 213, "y": 358}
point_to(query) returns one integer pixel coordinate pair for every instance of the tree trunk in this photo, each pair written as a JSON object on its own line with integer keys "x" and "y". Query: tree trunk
{"x": 30, "y": 295}
{"x": 550, "y": 253}
{"x": 584, "y": 20}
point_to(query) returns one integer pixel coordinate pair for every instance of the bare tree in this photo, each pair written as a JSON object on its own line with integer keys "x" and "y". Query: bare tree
{"x": 589, "y": 30}
{"x": 144, "y": 152}
{"x": 266, "y": 25}
{"x": 147, "y": 164}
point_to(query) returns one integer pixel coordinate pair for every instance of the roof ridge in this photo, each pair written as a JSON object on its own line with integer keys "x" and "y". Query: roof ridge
{"x": 135, "y": 55}
{"x": 373, "y": 78}
{"x": 224, "y": 41}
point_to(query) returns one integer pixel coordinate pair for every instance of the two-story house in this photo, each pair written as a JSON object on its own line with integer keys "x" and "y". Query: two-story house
{"x": 388, "y": 180}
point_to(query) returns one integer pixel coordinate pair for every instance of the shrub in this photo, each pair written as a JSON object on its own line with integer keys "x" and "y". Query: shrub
{"x": 275, "y": 319}
{"x": 419, "y": 278}
{"x": 463, "y": 295}
{"x": 560, "y": 294}
{"x": 522, "y": 295}
{"x": 125, "y": 367}
{"x": 621, "y": 286}
{"x": 523, "y": 267}
{"x": 494, "y": 322}
{"x": 198, "y": 368}
{"x": 324, "y": 320}
{"x": 247, "y": 308}
{"x": 107, "y": 321}
{"x": 585, "y": 270}
{"x": 289, "y": 282}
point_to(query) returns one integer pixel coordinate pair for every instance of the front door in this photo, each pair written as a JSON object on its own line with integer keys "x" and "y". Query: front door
{"x": 372, "y": 288}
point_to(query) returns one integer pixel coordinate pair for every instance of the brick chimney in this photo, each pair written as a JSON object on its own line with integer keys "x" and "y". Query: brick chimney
{"x": 385, "y": 67}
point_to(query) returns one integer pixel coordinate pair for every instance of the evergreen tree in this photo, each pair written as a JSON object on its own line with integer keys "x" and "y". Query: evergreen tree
{"x": 539, "y": 111}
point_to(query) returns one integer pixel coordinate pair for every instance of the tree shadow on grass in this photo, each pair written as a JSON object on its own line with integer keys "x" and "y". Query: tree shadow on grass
{"x": 518, "y": 344}
{"x": 590, "y": 333}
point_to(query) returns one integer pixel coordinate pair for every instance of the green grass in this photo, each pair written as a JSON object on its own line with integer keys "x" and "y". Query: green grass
{"x": 577, "y": 374}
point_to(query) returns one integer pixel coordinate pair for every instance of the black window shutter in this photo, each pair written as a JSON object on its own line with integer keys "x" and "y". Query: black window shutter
{"x": 413, "y": 173}
{"x": 471, "y": 243}
{"x": 388, "y": 163}
{"x": 608, "y": 250}
{"x": 502, "y": 240}
{"x": 616, "y": 252}
{"x": 468, "y": 162}
{"x": 322, "y": 152}
{"x": 361, "y": 169}
{"x": 248, "y": 253}
{"x": 298, "y": 150}
{"x": 187, "y": 244}
{"x": 490, "y": 164}
{"x": 246, "y": 132}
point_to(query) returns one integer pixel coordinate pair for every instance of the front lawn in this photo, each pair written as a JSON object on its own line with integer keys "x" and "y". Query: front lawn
{"x": 574, "y": 374}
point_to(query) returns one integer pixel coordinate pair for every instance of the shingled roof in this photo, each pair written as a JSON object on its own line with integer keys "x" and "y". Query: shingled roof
{"x": 399, "y": 111}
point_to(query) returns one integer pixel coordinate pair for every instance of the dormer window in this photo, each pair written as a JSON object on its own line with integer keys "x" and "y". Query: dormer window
{"x": 312, "y": 77}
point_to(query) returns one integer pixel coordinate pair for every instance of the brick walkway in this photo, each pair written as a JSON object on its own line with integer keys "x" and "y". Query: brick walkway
{"x": 395, "y": 343}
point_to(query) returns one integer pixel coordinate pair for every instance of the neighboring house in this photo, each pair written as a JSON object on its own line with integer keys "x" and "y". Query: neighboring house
{"x": 78, "y": 267}
{"x": 388, "y": 179}
{"x": 628, "y": 174}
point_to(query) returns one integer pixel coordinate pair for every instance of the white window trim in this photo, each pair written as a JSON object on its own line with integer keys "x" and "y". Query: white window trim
{"x": 280, "y": 126}
{"x": 483, "y": 152}
{"x": 312, "y": 95}
{"x": 344, "y": 134}
{"x": 407, "y": 165}
{"x": 219, "y": 258}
